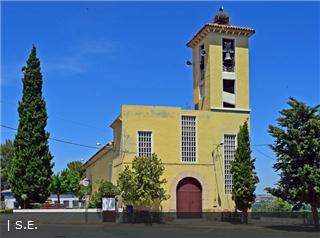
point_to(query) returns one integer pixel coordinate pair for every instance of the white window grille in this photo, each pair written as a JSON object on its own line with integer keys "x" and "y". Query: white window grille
{"x": 229, "y": 146}
{"x": 188, "y": 139}
{"x": 144, "y": 143}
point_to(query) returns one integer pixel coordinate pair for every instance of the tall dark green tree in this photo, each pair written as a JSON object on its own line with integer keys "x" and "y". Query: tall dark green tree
{"x": 297, "y": 146}
{"x": 243, "y": 171}
{"x": 31, "y": 167}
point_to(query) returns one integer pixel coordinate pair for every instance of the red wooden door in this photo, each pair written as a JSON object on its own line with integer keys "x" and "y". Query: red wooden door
{"x": 189, "y": 198}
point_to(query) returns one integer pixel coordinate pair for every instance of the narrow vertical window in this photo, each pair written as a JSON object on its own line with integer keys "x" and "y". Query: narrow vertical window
{"x": 229, "y": 149}
{"x": 201, "y": 70}
{"x": 144, "y": 143}
{"x": 228, "y": 94}
{"x": 188, "y": 139}
{"x": 228, "y": 55}
{"x": 201, "y": 64}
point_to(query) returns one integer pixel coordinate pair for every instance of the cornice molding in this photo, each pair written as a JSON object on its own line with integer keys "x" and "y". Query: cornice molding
{"x": 237, "y": 110}
{"x": 222, "y": 29}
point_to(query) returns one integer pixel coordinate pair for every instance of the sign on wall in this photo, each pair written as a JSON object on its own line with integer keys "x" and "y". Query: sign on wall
{"x": 108, "y": 204}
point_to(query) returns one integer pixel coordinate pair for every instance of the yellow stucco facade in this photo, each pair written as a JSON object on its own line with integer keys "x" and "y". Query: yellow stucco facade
{"x": 214, "y": 119}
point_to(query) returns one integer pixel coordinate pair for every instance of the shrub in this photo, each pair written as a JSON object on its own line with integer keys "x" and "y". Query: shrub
{"x": 106, "y": 189}
{"x": 6, "y": 210}
{"x": 35, "y": 205}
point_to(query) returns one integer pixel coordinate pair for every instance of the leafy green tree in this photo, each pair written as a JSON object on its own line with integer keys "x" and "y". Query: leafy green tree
{"x": 297, "y": 146}
{"x": 83, "y": 192}
{"x": 128, "y": 186}
{"x": 106, "y": 189}
{"x": 244, "y": 176}
{"x": 72, "y": 180}
{"x": 276, "y": 205}
{"x": 279, "y": 205}
{"x": 6, "y": 155}
{"x": 58, "y": 185}
{"x": 143, "y": 186}
{"x": 31, "y": 166}
{"x": 77, "y": 166}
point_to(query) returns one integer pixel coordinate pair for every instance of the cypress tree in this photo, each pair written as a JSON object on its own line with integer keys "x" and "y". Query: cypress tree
{"x": 244, "y": 176}
{"x": 31, "y": 167}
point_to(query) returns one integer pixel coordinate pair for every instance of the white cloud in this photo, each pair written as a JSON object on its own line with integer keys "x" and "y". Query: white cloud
{"x": 68, "y": 62}
{"x": 76, "y": 60}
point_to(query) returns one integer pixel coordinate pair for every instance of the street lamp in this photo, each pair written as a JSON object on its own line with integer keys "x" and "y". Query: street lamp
{"x": 85, "y": 182}
{"x": 24, "y": 198}
{"x": 217, "y": 146}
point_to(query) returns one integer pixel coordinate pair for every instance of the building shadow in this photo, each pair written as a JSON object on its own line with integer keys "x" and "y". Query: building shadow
{"x": 295, "y": 228}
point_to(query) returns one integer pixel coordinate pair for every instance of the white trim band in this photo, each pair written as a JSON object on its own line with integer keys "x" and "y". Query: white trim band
{"x": 221, "y": 109}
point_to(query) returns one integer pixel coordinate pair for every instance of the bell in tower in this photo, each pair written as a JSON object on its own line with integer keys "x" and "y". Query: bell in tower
{"x": 228, "y": 55}
{"x": 221, "y": 76}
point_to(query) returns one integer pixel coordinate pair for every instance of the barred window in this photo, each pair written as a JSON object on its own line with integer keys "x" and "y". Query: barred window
{"x": 229, "y": 147}
{"x": 188, "y": 139}
{"x": 144, "y": 143}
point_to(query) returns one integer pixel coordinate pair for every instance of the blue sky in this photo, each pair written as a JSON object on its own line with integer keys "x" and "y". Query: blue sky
{"x": 97, "y": 56}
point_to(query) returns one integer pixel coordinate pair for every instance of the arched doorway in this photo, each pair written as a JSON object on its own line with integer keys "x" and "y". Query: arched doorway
{"x": 189, "y": 198}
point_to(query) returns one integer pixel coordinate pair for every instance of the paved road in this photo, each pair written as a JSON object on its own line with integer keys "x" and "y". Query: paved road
{"x": 217, "y": 230}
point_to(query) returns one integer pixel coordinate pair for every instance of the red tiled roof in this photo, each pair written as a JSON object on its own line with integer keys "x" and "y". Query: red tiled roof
{"x": 241, "y": 28}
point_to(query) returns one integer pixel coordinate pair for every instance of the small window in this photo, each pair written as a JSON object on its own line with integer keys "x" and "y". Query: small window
{"x": 228, "y": 86}
{"x": 66, "y": 203}
{"x": 228, "y": 105}
{"x": 144, "y": 143}
{"x": 228, "y": 95}
{"x": 75, "y": 203}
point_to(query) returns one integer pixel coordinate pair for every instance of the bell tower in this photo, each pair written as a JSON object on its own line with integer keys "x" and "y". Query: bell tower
{"x": 221, "y": 65}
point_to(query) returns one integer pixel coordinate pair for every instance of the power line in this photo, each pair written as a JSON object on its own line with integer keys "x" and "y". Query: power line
{"x": 264, "y": 154}
{"x": 94, "y": 147}
{"x": 8, "y": 127}
{"x": 90, "y": 126}
{"x": 72, "y": 143}
{"x": 63, "y": 119}
{"x": 261, "y": 145}
{"x": 58, "y": 140}
{"x": 78, "y": 123}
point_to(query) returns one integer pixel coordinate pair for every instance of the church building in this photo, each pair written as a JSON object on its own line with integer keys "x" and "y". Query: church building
{"x": 195, "y": 146}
